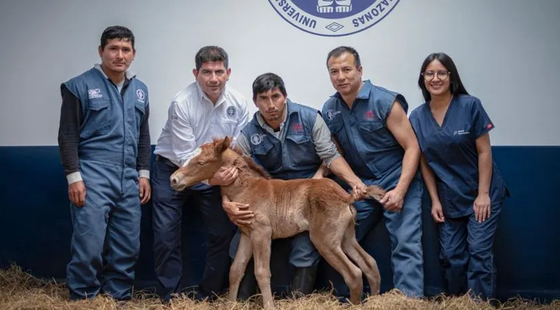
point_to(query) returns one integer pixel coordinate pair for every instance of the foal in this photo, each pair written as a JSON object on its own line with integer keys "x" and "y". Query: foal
{"x": 283, "y": 209}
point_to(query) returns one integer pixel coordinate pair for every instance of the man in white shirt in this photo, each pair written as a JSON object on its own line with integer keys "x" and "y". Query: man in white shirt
{"x": 204, "y": 110}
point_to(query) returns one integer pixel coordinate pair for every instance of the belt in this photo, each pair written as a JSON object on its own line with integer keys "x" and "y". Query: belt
{"x": 166, "y": 161}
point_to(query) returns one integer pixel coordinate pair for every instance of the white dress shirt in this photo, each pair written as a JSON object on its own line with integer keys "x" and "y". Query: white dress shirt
{"x": 194, "y": 120}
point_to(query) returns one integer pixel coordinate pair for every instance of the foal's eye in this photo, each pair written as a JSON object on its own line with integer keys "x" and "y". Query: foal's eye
{"x": 200, "y": 163}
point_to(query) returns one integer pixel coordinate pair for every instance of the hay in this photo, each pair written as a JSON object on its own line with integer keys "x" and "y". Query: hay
{"x": 19, "y": 290}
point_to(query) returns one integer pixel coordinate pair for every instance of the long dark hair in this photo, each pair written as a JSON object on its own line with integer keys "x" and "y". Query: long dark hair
{"x": 456, "y": 84}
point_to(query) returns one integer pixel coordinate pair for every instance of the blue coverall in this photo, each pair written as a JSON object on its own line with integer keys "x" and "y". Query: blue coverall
{"x": 106, "y": 236}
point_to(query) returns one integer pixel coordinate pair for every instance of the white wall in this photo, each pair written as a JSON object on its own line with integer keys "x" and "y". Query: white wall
{"x": 507, "y": 53}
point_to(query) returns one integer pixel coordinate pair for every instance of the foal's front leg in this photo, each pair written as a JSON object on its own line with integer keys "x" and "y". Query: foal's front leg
{"x": 237, "y": 269}
{"x": 261, "y": 240}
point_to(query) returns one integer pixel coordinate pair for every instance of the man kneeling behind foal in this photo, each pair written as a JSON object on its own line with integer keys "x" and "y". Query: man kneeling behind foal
{"x": 291, "y": 141}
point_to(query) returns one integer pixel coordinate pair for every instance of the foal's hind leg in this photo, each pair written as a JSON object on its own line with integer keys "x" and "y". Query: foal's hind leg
{"x": 327, "y": 243}
{"x": 237, "y": 269}
{"x": 367, "y": 264}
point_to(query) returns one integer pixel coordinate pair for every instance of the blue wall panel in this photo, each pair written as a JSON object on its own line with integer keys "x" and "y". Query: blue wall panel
{"x": 35, "y": 225}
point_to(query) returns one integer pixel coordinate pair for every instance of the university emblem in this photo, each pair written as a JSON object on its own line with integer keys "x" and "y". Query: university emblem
{"x": 140, "y": 95}
{"x": 230, "y": 111}
{"x": 256, "y": 139}
{"x": 333, "y": 18}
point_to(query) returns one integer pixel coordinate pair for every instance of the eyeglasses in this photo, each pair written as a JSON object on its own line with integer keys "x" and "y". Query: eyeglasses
{"x": 442, "y": 75}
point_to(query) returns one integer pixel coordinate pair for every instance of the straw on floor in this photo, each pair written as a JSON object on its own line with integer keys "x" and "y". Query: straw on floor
{"x": 20, "y": 290}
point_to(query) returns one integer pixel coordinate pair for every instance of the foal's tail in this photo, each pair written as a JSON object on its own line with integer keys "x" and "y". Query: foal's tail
{"x": 373, "y": 192}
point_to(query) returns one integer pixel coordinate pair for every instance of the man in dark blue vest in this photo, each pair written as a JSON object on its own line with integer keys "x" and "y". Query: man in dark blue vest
{"x": 291, "y": 141}
{"x": 371, "y": 127}
{"x": 104, "y": 143}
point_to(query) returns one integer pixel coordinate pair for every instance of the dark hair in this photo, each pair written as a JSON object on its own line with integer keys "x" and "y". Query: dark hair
{"x": 209, "y": 54}
{"x": 266, "y": 82}
{"x": 456, "y": 84}
{"x": 345, "y": 49}
{"x": 116, "y": 32}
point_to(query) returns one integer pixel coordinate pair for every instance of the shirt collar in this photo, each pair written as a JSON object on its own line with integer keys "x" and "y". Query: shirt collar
{"x": 364, "y": 92}
{"x": 202, "y": 96}
{"x": 264, "y": 125}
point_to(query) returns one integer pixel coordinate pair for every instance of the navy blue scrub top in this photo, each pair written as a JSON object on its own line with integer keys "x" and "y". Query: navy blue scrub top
{"x": 450, "y": 151}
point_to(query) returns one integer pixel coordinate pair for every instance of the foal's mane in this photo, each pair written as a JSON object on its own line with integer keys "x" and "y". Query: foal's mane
{"x": 251, "y": 164}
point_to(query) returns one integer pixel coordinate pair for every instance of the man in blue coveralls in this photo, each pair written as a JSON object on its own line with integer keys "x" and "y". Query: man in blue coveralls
{"x": 291, "y": 141}
{"x": 371, "y": 127}
{"x": 104, "y": 145}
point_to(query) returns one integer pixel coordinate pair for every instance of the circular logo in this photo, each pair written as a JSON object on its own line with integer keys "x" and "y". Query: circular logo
{"x": 330, "y": 114}
{"x": 140, "y": 94}
{"x": 333, "y": 18}
{"x": 256, "y": 139}
{"x": 230, "y": 111}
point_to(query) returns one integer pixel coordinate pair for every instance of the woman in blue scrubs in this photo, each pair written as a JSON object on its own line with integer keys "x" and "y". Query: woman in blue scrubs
{"x": 465, "y": 186}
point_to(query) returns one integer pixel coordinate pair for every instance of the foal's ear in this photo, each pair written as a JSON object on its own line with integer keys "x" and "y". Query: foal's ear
{"x": 223, "y": 146}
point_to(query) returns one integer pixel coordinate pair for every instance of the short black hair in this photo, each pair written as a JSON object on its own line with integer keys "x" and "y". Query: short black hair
{"x": 345, "y": 49}
{"x": 456, "y": 86}
{"x": 116, "y": 32}
{"x": 210, "y": 53}
{"x": 266, "y": 82}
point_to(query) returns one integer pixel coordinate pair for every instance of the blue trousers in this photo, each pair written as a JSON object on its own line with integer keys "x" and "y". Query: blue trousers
{"x": 405, "y": 233}
{"x": 168, "y": 208}
{"x": 106, "y": 233}
{"x": 303, "y": 252}
{"x": 466, "y": 254}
